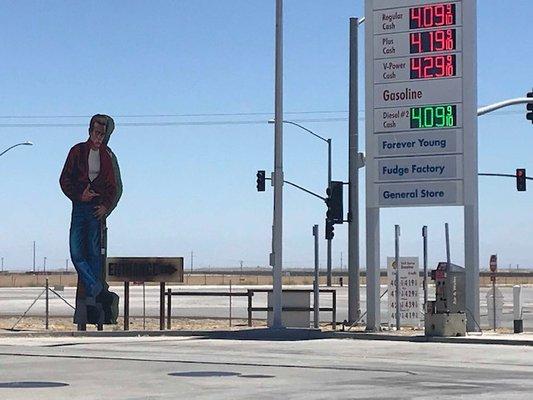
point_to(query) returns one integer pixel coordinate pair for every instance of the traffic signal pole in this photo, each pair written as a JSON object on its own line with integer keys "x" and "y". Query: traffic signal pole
{"x": 505, "y": 103}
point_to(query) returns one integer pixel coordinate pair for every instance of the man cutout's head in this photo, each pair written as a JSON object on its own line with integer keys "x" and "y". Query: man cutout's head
{"x": 97, "y": 129}
{"x": 100, "y": 129}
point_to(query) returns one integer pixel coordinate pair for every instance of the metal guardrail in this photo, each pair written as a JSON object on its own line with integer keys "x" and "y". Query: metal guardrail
{"x": 250, "y": 308}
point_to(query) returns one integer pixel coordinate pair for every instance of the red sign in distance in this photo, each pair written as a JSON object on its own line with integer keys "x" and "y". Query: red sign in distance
{"x": 493, "y": 264}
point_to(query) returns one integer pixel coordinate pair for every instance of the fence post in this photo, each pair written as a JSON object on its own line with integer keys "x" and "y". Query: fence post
{"x": 162, "y": 306}
{"x": 126, "y": 306}
{"x": 334, "y": 310}
{"x": 169, "y": 308}
{"x": 250, "y": 294}
{"x": 47, "y": 306}
{"x": 230, "y": 305}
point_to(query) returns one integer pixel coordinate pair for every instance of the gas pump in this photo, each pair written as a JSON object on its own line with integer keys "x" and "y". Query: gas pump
{"x": 445, "y": 316}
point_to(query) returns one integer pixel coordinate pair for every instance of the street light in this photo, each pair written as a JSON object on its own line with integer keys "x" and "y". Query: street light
{"x": 26, "y": 143}
{"x": 328, "y": 141}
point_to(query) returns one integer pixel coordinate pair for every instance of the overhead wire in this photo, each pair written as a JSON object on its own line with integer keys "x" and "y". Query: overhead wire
{"x": 188, "y": 123}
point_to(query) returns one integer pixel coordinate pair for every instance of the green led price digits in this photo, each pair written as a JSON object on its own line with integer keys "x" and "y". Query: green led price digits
{"x": 427, "y": 117}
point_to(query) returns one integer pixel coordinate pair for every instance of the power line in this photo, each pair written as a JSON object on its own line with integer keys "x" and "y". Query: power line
{"x": 162, "y": 124}
{"x": 240, "y": 114}
{"x": 193, "y": 123}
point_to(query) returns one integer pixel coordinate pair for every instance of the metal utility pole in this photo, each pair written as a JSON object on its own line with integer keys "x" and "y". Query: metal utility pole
{"x": 277, "y": 227}
{"x": 398, "y": 270}
{"x": 447, "y": 236}
{"x": 44, "y": 264}
{"x": 66, "y": 264}
{"x": 328, "y": 279}
{"x": 192, "y": 260}
{"x": 2, "y": 264}
{"x": 425, "y": 280}
{"x": 316, "y": 303}
{"x": 34, "y": 256}
{"x": 353, "y": 178}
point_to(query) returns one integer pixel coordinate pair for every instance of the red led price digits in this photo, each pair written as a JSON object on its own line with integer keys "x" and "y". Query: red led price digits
{"x": 432, "y": 16}
{"x": 438, "y": 40}
{"x": 433, "y": 67}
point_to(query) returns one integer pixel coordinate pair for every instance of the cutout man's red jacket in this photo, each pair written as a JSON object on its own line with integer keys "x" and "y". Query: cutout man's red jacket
{"x": 75, "y": 175}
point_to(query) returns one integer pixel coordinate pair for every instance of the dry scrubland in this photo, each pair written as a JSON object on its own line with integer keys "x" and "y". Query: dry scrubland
{"x": 70, "y": 279}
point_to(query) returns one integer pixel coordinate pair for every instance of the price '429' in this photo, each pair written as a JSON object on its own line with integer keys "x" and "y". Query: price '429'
{"x": 432, "y": 67}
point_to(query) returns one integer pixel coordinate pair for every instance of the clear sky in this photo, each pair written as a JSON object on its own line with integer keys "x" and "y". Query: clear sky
{"x": 190, "y": 185}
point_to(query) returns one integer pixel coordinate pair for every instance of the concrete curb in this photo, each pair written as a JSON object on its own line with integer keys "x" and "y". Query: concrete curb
{"x": 277, "y": 334}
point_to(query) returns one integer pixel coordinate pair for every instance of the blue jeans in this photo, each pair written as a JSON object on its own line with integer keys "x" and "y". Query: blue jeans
{"x": 85, "y": 246}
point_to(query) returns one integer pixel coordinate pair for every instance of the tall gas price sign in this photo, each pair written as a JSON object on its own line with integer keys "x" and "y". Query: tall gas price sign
{"x": 421, "y": 112}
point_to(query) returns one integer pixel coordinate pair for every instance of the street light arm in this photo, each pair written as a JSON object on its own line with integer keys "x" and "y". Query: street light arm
{"x": 15, "y": 145}
{"x": 501, "y": 104}
{"x": 271, "y": 121}
{"x": 307, "y": 130}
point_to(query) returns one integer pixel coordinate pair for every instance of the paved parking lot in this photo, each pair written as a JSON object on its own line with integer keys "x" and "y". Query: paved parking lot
{"x": 201, "y": 368}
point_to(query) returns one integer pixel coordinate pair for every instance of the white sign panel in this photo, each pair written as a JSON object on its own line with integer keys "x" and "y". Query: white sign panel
{"x": 442, "y": 91}
{"x": 420, "y": 194}
{"x": 419, "y": 143}
{"x": 409, "y": 298}
{"x": 420, "y": 102}
{"x": 419, "y": 168}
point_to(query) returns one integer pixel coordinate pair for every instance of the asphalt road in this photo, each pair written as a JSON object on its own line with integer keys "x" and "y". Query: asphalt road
{"x": 15, "y": 301}
{"x": 186, "y": 368}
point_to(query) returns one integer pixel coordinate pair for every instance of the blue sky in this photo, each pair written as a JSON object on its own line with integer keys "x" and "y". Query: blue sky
{"x": 190, "y": 186}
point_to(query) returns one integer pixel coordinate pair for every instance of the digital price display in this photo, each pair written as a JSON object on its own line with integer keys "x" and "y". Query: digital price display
{"x": 431, "y": 16}
{"x": 430, "y": 41}
{"x": 427, "y": 117}
{"x": 433, "y": 67}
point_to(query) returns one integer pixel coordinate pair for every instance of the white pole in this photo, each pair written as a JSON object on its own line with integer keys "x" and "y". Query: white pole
{"x": 277, "y": 229}
{"x": 471, "y": 198}
{"x": 353, "y": 178}
{"x": 398, "y": 269}
{"x": 316, "y": 306}
{"x": 517, "y": 302}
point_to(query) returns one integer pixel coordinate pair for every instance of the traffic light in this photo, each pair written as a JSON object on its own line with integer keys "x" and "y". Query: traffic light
{"x": 329, "y": 229}
{"x": 260, "y": 181}
{"x": 529, "y": 107}
{"x": 521, "y": 179}
{"x": 334, "y": 203}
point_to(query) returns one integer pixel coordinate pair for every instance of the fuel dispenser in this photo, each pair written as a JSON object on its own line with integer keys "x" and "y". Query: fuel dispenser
{"x": 445, "y": 316}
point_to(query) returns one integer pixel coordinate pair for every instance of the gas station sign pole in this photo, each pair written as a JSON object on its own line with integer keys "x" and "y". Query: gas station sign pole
{"x": 421, "y": 123}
